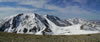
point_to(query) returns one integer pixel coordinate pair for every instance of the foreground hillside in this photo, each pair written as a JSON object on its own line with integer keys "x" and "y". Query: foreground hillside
{"x": 12, "y": 37}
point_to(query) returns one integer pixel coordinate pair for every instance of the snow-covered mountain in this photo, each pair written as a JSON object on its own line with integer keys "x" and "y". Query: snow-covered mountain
{"x": 32, "y": 23}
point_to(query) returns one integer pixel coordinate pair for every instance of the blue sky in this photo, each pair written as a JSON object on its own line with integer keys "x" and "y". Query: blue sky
{"x": 87, "y": 9}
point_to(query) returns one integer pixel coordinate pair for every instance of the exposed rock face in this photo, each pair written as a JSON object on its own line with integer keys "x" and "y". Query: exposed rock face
{"x": 29, "y": 23}
{"x": 32, "y": 23}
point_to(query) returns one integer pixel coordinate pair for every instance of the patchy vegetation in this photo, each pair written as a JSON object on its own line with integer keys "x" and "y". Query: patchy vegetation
{"x": 12, "y": 37}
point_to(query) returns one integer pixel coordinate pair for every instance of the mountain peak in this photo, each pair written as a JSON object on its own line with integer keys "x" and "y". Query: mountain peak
{"x": 28, "y": 14}
{"x": 32, "y": 23}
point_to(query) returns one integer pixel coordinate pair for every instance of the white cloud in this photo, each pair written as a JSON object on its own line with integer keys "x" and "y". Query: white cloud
{"x": 34, "y": 3}
{"x": 68, "y": 9}
{"x": 43, "y": 4}
{"x": 7, "y": 11}
{"x": 81, "y": 1}
{"x": 14, "y": 0}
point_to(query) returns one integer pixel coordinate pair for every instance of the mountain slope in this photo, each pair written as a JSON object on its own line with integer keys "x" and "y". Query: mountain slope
{"x": 32, "y": 23}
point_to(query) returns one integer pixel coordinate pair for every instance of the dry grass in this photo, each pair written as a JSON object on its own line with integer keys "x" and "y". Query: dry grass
{"x": 12, "y": 37}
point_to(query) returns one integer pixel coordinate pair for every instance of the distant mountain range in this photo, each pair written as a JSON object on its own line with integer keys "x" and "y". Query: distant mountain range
{"x": 32, "y": 23}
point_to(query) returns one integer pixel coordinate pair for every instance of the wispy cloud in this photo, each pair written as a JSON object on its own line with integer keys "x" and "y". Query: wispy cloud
{"x": 35, "y": 3}
{"x": 7, "y": 11}
{"x": 62, "y": 8}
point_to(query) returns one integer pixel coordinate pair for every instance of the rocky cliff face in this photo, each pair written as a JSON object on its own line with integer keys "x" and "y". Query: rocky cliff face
{"x": 32, "y": 23}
